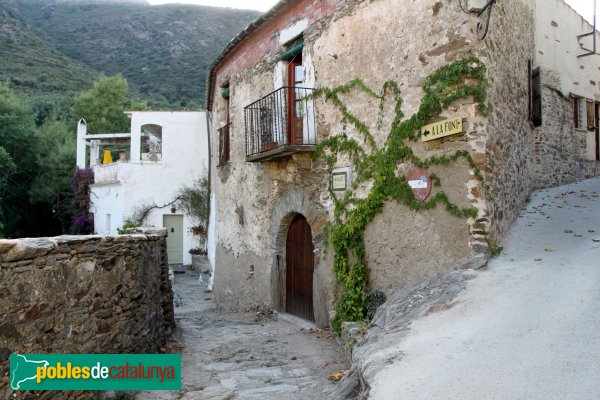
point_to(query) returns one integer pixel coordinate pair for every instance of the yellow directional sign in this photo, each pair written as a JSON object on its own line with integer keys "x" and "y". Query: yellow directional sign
{"x": 441, "y": 129}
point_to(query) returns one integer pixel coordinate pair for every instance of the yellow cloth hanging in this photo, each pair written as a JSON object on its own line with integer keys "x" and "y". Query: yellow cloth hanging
{"x": 107, "y": 157}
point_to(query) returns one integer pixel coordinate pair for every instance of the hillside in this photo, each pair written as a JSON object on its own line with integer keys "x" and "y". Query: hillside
{"x": 32, "y": 65}
{"x": 163, "y": 51}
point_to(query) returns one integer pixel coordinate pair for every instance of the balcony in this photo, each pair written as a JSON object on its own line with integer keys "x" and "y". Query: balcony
{"x": 280, "y": 124}
{"x": 108, "y": 173}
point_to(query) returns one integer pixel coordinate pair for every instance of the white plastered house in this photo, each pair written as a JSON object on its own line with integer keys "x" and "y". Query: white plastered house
{"x": 163, "y": 152}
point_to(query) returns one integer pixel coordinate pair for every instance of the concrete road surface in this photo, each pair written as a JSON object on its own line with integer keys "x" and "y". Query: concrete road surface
{"x": 528, "y": 327}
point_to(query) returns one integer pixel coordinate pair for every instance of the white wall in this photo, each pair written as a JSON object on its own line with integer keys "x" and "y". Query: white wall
{"x": 557, "y": 26}
{"x": 184, "y": 159}
{"x": 107, "y": 200}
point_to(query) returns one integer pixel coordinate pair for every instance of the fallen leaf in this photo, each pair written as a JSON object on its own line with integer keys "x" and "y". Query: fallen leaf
{"x": 568, "y": 231}
{"x": 596, "y": 240}
{"x": 336, "y": 376}
{"x": 537, "y": 259}
{"x": 549, "y": 249}
{"x": 293, "y": 358}
{"x": 578, "y": 235}
{"x": 590, "y": 230}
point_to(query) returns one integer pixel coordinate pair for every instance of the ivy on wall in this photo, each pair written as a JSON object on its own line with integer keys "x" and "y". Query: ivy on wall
{"x": 462, "y": 78}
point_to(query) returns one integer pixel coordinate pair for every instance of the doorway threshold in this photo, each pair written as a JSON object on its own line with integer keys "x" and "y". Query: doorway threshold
{"x": 300, "y": 322}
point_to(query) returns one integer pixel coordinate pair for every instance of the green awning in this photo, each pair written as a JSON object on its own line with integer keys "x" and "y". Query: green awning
{"x": 293, "y": 50}
{"x": 225, "y": 93}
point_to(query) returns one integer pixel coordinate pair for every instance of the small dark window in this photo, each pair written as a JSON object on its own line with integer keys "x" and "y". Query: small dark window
{"x": 535, "y": 95}
{"x": 224, "y": 144}
{"x": 576, "y": 112}
{"x": 225, "y": 131}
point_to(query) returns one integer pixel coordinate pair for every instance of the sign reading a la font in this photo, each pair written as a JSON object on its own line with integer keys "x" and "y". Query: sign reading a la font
{"x": 441, "y": 129}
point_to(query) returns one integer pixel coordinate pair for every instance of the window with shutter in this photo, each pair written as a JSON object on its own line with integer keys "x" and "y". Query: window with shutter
{"x": 591, "y": 120}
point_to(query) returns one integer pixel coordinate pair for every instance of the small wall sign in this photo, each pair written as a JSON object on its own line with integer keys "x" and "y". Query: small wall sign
{"x": 441, "y": 129}
{"x": 340, "y": 179}
{"x": 420, "y": 183}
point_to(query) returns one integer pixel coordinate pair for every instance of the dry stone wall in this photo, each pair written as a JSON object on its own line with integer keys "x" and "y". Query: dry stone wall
{"x": 84, "y": 294}
{"x": 509, "y": 145}
{"x": 560, "y": 149}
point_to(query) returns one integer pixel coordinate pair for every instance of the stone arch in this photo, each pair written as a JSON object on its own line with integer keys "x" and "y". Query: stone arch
{"x": 291, "y": 204}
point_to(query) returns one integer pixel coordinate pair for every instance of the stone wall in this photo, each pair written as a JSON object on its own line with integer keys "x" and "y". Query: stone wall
{"x": 557, "y": 146}
{"x": 559, "y": 149}
{"x": 84, "y": 294}
{"x": 256, "y": 201}
{"x": 509, "y": 144}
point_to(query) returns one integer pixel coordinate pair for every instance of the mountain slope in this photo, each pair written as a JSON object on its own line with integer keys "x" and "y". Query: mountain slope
{"x": 163, "y": 51}
{"x": 31, "y": 65}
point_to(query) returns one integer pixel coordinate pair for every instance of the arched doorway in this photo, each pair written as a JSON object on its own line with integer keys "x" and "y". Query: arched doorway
{"x": 299, "y": 269}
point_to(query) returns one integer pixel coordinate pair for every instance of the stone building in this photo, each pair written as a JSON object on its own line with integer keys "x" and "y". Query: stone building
{"x": 163, "y": 152}
{"x": 361, "y": 145}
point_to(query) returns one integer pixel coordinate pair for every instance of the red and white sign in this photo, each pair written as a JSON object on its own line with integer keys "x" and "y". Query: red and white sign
{"x": 420, "y": 183}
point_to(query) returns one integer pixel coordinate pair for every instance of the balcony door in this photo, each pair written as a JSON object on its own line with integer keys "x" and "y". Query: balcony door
{"x": 295, "y": 106}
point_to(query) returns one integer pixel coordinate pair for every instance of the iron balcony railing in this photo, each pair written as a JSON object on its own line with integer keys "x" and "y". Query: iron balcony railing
{"x": 284, "y": 118}
{"x": 224, "y": 143}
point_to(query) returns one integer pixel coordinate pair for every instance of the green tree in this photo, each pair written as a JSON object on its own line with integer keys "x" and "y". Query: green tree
{"x": 18, "y": 144}
{"x": 7, "y": 168}
{"x": 56, "y": 162}
{"x": 103, "y": 106}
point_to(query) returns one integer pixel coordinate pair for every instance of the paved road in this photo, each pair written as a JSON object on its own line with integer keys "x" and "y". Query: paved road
{"x": 528, "y": 327}
{"x": 228, "y": 356}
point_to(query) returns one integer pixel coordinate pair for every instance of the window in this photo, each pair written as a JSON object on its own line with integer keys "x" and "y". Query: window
{"x": 535, "y": 95}
{"x": 224, "y": 131}
{"x": 576, "y": 111}
{"x": 151, "y": 142}
{"x": 108, "y": 224}
{"x": 224, "y": 145}
{"x": 295, "y": 103}
{"x": 591, "y": 120}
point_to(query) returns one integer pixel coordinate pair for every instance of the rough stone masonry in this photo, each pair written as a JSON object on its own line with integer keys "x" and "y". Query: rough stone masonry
{"x": 84, "y": 294}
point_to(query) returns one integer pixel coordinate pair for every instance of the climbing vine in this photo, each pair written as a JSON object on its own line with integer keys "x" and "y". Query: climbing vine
{"x": 463, "y": 78}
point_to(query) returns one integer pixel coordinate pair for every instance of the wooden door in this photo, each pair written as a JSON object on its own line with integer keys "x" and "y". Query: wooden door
{"x": 174, "y": 225}
{"x": 299, "y": 269}
{"x": 295, "y": 105}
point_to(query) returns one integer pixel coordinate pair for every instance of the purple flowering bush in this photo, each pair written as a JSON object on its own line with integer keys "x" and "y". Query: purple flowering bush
{"x": 80, "y": 184}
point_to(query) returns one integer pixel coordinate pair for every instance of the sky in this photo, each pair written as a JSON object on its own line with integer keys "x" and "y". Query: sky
{"x": 583, "y": 7}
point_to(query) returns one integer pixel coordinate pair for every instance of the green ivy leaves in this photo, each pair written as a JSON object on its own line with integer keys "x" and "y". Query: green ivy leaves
{"x": 462, "y": 78}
